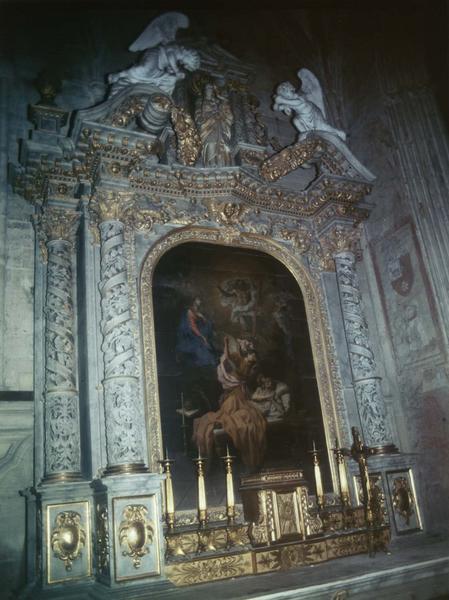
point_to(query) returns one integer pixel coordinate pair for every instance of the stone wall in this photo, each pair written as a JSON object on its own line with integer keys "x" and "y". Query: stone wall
{"x": 16, "y": 473}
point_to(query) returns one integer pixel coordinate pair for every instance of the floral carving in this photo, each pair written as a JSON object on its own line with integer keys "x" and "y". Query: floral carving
{"x": 62, "y": 437}
{"x": 59, "y": 223}
{"x": 187, "y": 136}
{"x": 124, "y": 419}
{"x": 372, "y": 413}
{"x": 367, "y": 387}
{"x": 59, "y": 367}
{"x": 62, "y": 446}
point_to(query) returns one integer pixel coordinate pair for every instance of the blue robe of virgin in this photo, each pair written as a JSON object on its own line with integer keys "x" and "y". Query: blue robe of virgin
{"x": 191, "y": 349}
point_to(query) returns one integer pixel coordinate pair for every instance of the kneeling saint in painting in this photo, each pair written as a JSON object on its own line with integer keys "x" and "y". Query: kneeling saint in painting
{"x": 240, "y": 419}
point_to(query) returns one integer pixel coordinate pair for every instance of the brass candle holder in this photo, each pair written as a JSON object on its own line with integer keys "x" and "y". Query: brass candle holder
{"x": 169, "y": 497}
{"x": 320, "y": 498}
{"x": 230, "y": 500}
{"x": 173, "y": 542}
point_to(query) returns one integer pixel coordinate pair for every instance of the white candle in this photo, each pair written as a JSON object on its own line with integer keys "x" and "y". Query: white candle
{"x": 344, "y": 486}
{"x": 318, "y": 481}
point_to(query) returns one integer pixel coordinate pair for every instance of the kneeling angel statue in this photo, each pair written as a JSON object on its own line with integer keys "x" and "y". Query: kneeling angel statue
{"x": 305, "y": 104}
{"x": 163, "y": 61}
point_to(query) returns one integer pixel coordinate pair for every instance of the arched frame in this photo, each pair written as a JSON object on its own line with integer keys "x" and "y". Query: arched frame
{"x": 321, "y": 342}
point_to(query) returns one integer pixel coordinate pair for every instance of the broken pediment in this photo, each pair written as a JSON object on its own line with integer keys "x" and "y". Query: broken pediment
{"x": 188, "y": 127}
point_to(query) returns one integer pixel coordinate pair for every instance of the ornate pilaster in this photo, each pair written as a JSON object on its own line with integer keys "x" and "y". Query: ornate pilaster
{"x": 367, "y": 387}
{"x": 124, "y": 414}
{"x": 62, "y": 425}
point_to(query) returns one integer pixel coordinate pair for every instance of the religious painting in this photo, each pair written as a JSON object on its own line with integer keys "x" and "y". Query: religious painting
{"x": 404, "y": 290}
{"x": 235, "y": 367}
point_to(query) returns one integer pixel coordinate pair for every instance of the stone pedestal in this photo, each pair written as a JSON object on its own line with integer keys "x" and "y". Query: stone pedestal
{"x": 128, "y": 529}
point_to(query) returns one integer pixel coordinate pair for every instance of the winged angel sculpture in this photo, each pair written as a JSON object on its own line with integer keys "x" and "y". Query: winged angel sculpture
{"x": 306, "y": 104}
{"x": 163, "y": 61}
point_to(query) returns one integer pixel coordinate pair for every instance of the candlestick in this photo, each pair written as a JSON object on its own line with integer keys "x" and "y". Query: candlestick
{"x": 169, "y": 497}
{"x": 230, "y": 500}
{"x": 318, "y": 480}
{"x": 182, "y": 409}
{"x": 342, "y": 477}
{"x": 202, "y": 505}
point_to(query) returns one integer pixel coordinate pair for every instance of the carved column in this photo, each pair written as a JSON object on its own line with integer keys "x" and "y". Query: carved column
{"x": 367, "y": 385}
{"x": 123, "y": 403}
{"x": 62, "y": 423}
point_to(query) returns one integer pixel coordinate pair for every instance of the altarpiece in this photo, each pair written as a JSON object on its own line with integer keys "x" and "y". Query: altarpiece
{"x": 177, "y": 160}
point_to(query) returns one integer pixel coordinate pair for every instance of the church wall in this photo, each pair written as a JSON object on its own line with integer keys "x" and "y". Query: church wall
{"x": 395, "y": 127}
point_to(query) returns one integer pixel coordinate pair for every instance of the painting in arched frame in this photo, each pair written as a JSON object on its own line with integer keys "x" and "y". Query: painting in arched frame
{"x": 235, "y": 366}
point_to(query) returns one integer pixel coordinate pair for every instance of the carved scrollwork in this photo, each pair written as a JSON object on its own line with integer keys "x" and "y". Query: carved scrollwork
{"x": 127, "y": 111}
{"x": 68, "y": 537}
{"x": 289, "y": 159}
{"x": 136, "y": 533}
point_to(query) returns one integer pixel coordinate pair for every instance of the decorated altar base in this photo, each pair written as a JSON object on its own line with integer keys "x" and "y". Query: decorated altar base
{"x": 238, "y": 563}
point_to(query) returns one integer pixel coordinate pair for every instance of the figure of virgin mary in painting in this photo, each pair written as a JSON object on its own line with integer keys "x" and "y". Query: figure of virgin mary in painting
{"x": 198, "y": 357}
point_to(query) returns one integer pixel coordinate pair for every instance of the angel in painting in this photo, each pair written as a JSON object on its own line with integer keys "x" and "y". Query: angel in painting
{"x": 306, "y": 104}
{"x": 163, "y": 61}
{"x": 241, "y": 296}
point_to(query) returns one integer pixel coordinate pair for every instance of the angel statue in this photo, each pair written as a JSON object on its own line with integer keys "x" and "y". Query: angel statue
{"x": 306, "y": 104}
{"x": 163, "y": 61}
